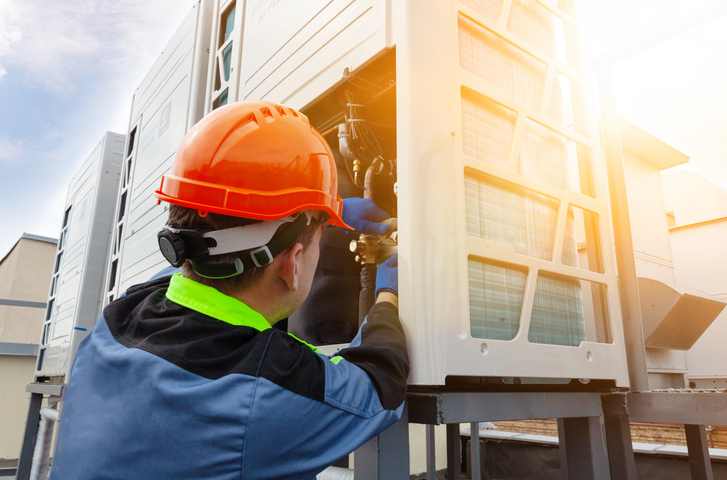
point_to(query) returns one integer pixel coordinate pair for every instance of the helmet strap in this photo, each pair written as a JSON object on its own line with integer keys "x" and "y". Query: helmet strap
{"x": 257, "y": 257}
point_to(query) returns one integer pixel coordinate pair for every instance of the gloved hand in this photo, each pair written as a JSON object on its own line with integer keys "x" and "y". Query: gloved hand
{"x": 387, "y": 276}
{"x": 363, "y": 215}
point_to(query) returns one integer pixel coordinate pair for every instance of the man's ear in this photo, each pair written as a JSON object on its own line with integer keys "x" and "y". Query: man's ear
{"x": 289, "y": 266}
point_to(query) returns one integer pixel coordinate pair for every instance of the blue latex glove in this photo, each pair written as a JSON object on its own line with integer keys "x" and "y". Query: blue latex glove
{"x": 387, "y": 276}
{"x": 363, "y": 215}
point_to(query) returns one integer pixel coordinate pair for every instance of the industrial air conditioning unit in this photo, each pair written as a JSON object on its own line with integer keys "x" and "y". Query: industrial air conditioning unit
{"x": 167, "y": 103}
{"x": 481, "y": 113}
{"x": 74, "y": 300}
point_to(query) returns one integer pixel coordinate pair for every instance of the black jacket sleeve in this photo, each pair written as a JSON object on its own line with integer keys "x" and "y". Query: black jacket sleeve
{"x": 382, "y": 354}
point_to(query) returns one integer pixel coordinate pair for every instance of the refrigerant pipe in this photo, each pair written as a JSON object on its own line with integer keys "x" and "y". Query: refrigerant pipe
{"x": 47, "y": 415}
{"x": 344, "y": 146}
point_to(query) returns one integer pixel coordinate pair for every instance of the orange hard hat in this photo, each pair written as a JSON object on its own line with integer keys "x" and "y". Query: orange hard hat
{"x": 254, "y": 159}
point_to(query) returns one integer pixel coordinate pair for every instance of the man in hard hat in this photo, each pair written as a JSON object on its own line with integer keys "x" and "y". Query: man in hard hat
{"x": 184, "y": 376}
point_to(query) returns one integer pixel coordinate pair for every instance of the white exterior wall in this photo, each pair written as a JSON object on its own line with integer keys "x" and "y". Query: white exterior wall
{"x": 700, "y": 262}
{"x": 652, "y": 252}
{"x": 16, "y": 372}
{"x": 693, "y": 198}
{"x": 647, "y": 213}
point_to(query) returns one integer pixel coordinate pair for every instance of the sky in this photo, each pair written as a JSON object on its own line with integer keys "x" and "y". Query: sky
{"x": 68, "y": 70}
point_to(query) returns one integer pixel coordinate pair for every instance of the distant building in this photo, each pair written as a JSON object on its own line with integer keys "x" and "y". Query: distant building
{"x": 644, "y": 157}
{"x": 698, "y": 248}
{"x": 690, "y": 198}
{"x": 25, "y": 274}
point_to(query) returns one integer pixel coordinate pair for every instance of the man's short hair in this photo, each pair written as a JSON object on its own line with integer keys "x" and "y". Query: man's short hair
{"x": 183, "y": 217}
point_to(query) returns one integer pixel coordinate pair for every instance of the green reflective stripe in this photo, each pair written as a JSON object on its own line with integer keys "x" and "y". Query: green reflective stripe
{"x": 336, "y": 359}
{"x": 315, "y": 349}
{"x": 212, "y": 302}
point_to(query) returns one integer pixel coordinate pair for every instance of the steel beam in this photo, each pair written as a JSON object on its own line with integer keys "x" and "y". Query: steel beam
{"x": 475, "y": 472}
{"x": 585, "y": 448}
{"x": 458, "y": 407}
{"x": 454, "y": 452}
{"x": 699, "y": 461}
{"x": 431, "y": 454}
{"x": 621, "y": 461}
{"x": 563, "y": 456}
{"x": 31, "y": 429}
{"x": 53, "y": 389}
{"x": 628, "y": 290}
{"x": 385, "y": 457}
{"x": 689, "y": 408}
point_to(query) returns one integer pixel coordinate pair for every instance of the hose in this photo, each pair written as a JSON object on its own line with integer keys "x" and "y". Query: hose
{"x": 42, "y": 441}
{"x": 366, "y": 298}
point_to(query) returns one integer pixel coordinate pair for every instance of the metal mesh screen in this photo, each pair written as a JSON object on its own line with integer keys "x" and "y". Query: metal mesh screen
{"x": 496, "y": 298}
{"x": 506, "y": 213}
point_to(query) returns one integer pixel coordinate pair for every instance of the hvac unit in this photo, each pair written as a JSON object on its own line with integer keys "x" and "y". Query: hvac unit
{"x": 291, "y": 52}
{"x": 506, "y": 266}
{"x": 506, "y": 269}
{"x": 74, "y": 300}
{"x": 167, "y": 103}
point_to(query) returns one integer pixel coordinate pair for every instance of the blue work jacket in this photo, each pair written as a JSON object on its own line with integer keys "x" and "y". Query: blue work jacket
{"x": 179, "y": 381}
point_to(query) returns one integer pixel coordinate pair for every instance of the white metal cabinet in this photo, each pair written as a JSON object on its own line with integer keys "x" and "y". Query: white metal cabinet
{"x": 74, "y": 301}
{"x": 501, "y": 181}
{"x": 291, "y": 52}
{"x": 167, "y": 103}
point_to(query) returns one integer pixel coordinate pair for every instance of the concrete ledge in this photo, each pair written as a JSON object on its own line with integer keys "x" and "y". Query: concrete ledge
{"x": 53, "y": 389}
{"x": 21, "y": 303}
{"x": 19, "y": 349}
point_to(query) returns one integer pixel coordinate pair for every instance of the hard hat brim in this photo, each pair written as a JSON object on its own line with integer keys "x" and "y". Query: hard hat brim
{"x": 245, "y": 204}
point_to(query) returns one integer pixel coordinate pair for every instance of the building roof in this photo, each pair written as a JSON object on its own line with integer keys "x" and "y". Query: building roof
{"x": 29, "y": 236}
{"x": 40, "y": 238}
{"x": 687, "y": 226}
{"x": 649, "y": 148}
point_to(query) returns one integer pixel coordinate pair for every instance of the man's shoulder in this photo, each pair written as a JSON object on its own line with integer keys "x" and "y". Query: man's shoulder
{"x": 146, "y": 319}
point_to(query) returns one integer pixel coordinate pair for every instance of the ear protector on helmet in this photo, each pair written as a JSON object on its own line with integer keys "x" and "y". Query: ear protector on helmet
{"x": 178, "y": 245}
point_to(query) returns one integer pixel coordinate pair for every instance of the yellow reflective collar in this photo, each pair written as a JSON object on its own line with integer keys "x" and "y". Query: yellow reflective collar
{"x": 213, "y": 303}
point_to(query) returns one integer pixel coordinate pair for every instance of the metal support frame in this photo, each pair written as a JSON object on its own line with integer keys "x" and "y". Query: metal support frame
{"x": 582, "y": 429}
{"x": 31, "y": 429}
{"x": 475, "y": 472}
{"x": 694, "y": 409}
{"x": 621, "y": 459}
{"x": 585, "y": 448}
{"x": 386, "y": 456}
{"x": 628, "y": 290}
{"x": 431, "y": 454}
{"x": 686, "y": 407}
{"x": 454, "y": 452}
{"x": 37, "y": 392}
{"x": 466, "y": 407}
{"x": 699, "y": 461}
